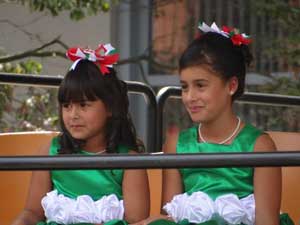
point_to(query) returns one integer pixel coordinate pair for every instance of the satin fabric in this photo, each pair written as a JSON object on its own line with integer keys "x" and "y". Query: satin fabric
{"x": 217, "y": 181}
{"x": 95, "y": 183}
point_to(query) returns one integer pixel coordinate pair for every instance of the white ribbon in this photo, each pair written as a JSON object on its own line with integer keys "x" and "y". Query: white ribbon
{"x": 213, "y": 28}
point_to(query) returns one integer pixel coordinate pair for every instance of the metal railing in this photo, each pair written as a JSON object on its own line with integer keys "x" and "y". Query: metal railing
{"x": 54, "y": 81}
{"x": 253, "y": 159}
{"x": 117, "y": 161}
{"x": 249, "y": 97}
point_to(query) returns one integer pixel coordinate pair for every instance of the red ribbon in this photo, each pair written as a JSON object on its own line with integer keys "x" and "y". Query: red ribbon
{"x": 96, "y": 56}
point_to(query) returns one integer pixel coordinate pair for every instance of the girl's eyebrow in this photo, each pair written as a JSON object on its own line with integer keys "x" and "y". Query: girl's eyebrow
{"x": 200, "y": 80}
{"x": 196, "y": 80}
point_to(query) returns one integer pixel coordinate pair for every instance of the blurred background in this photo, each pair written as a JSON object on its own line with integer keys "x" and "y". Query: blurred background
{"x": 150, "y": 36}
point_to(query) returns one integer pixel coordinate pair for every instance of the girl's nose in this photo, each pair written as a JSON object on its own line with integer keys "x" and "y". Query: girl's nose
{"x": 74, "y": 112}
{"x": 190, "y": 95}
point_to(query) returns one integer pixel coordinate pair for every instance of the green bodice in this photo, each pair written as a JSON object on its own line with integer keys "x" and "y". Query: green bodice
{"x": 218, "y": 181}
{"x": 95, "y": 183}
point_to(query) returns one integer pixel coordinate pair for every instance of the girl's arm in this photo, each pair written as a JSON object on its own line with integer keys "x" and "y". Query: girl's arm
{"x": 40, "y": 184}
{"x": 136, "y": 194}
{"x": 172, "y": 182}
{"x": 267, "y": 187}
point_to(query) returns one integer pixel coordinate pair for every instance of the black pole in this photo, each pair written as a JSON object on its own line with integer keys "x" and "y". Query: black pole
{"x": 210, "y": 160}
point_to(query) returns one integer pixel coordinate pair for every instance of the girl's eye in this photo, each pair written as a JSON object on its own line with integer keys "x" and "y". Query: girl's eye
{"x": 65, "y": 105}
{"x": 184, "y": 87}
{"x": 83, "y": 104}
{"x": 200, "y": 85}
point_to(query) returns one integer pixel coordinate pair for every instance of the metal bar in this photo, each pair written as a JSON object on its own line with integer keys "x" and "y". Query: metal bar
{"x": 161, "y": 98}
{"x": 27, "y": 79}
{"x": 54, "y": 81}
{"x": 261, "y": 159}
{"x": 270, "y": 99}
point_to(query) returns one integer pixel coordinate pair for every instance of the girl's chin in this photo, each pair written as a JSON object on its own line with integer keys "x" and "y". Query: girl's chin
{"x": 197, "y": 118}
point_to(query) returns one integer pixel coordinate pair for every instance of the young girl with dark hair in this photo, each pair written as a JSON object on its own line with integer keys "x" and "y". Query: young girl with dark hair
{"x": 94, "y": 118}
{"x": 212, "y": 75}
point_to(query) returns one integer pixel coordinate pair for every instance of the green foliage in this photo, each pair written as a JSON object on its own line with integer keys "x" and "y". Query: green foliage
{"x": 26, "y": 108}
{"x": 287, "y": 118}
{"x": 29, "y": 66}
{"x": 282, "y": 85}
{"x": 286, "y": 16}
{"x": 78, "y": 9}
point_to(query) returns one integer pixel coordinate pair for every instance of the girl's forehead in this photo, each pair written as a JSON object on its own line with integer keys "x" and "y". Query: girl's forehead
{"x": 198, "y": 73}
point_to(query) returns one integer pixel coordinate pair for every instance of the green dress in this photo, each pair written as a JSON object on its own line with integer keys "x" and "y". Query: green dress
{"x": 216, "y": 182}
{"x": 94, "y": 183}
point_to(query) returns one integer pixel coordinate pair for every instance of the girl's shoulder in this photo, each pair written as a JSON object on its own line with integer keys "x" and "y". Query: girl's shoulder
{"x": 247, "y": 138}
{"x": 188, "y": 135}
{"x": 249, "y": 133}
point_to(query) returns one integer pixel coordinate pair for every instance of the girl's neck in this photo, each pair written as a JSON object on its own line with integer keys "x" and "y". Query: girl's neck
{"x": 217, "y": 131}
{"x": 95, "y": 145}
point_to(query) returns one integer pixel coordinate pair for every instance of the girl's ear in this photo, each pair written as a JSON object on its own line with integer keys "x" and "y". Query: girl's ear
{"x": 233, "y": 85}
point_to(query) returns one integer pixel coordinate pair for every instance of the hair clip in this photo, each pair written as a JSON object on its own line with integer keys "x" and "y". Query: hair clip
{"x": 104, "y": 56}
{"x": 236, "y": 37}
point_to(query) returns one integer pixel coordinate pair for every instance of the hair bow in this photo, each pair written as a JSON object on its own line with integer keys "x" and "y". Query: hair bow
{"x": 105, "y": 56}
{"x": 236, "y": 37}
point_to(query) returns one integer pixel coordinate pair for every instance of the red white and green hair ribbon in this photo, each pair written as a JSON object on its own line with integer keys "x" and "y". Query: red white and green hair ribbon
{"x": 236, "y": 37}
{"x": 104, "y": 56}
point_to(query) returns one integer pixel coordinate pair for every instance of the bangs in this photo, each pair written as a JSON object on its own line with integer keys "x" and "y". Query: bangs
{"x": 76, "y": 93}
{"x": 79, "y": 85}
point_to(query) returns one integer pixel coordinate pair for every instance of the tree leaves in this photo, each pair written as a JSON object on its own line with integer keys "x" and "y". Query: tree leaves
{"x": 78, "y": 9}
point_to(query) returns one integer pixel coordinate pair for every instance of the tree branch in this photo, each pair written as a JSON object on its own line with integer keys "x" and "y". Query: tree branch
{"x": 37, "y": 52}
{"x": 145, "y": 57}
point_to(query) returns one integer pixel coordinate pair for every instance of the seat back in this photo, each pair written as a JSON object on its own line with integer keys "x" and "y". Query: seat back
{"x": 155, "y": 184}
{"x": 14, "y": 184}
{"x": 289, "y": 141}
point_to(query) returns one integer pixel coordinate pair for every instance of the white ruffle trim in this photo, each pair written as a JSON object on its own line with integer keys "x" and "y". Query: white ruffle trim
{"x": 199, "y": 208}
{"x": 64, "y": 210}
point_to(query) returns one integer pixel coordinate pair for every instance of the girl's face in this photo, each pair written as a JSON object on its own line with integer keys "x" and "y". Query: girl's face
{"x": 85, "y": 120}
{"x": 204, "y": 94}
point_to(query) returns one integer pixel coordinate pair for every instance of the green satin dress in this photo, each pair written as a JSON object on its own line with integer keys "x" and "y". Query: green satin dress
{"x": 217, "y": 181}
{"x": 95, "y": 183}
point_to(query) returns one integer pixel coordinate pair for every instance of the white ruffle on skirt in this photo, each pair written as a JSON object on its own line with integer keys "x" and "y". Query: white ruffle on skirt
{"x": 84, "y": 209}
{"x": 199, "y": 208}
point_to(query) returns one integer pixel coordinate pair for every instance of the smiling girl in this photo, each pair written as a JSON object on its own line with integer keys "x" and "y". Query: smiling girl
{"x": 212, "y": 75}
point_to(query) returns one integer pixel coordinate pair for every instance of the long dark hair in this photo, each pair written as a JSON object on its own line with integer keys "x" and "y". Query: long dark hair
{"x": 221, "y": 55}
{"x": 86, "y": 82}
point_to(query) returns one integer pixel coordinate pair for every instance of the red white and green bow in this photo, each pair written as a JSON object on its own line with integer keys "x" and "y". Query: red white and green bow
{"x": 236, "y": 37}
{"x": 104, "y": 56}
